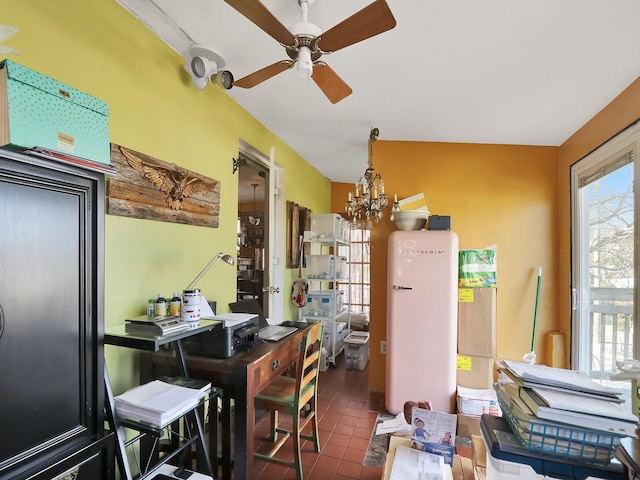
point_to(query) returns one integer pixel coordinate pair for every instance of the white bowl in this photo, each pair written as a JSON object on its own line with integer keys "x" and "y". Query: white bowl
{"x": 411, "y": 219}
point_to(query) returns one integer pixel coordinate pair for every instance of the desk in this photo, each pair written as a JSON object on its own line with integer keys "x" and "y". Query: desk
{"x": 120, "y": 337}
{"x": 241, "y": 377}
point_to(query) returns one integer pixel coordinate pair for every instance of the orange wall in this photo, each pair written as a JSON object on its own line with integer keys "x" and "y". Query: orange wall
{"x": 615, "y": 117}
{"x": 495, "y": 194}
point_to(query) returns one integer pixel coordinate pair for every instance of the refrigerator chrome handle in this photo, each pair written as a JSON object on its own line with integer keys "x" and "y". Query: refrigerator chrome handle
{"x": 400, "y": 287}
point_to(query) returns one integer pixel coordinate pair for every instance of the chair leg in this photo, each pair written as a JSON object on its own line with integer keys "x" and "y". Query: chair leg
{"x": 297, "y": 458}
{"x": 314, "y": 425}
{"x": 274, "y": 425}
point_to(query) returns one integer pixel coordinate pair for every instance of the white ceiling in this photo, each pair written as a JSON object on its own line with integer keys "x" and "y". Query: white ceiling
{"x": 525, "y": 72}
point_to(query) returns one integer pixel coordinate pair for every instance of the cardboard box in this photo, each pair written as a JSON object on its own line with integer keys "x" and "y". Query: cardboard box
{"x": 479, "y": 457}
{"x": 475, "y": 372}
{"x": 477, "y": 324}
{"x": 468, "y": 426}
{"x": 477, "y": 401}
{"x": 462, "y": 468}
{"x": 37, "y": 111}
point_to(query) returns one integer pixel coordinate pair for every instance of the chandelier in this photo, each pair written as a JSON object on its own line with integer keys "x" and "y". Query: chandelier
{"x": 370, "y": 198}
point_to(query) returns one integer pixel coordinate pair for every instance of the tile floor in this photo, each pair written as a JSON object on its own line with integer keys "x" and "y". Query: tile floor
{"x": 347, "y": 414}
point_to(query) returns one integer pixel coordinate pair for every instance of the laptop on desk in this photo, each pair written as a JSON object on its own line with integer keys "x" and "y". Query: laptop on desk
{"x": 267, "y": 332}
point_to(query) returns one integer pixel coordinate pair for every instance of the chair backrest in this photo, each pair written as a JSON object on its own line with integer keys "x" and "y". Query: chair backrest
{"x": 308, "y": 365}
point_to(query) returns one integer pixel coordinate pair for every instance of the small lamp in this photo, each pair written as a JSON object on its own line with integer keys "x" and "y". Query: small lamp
{"x": 225, "y": 258}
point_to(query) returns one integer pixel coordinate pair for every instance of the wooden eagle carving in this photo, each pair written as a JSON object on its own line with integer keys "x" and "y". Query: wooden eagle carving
{"x": 176, "y": 183}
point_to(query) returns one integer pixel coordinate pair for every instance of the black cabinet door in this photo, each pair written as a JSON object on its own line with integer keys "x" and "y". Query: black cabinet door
{"x": 51, "y": 354}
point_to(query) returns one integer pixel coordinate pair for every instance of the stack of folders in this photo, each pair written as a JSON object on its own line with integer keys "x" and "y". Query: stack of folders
{"x": 162, "y": 401}
{"x": 545, "y": 404}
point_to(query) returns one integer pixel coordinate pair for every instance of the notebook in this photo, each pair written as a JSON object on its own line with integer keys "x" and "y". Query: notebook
{"x": 267, "y": 332}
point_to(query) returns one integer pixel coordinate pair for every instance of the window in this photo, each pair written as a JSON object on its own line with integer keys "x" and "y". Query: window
{"x": 604, "y": 258}
{"x": 359, "y": 299}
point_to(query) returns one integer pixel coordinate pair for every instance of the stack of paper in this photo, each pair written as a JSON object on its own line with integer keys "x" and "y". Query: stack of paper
{"x": 568, "y": 404}
{"x": 571, "y": 397}
{"x": 158, "y": 403}
{"x": 411, "y": 463}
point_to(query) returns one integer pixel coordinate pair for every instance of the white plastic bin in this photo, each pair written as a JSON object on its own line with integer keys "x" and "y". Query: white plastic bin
{"x": 356, "y": 350}
{"x": 325, "y": 266}
{"x": 324, "y": 303}
{"x": 329, "y": 226}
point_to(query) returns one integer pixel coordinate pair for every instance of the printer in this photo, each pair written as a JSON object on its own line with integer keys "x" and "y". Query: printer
{"x": 236, "y": 332}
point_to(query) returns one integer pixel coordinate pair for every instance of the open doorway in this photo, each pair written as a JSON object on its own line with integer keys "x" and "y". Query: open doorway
{"x": 253, "y": 230}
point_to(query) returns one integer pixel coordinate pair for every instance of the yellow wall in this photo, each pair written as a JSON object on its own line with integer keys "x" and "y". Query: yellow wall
{"x": 98, "y": 47}
{"x": 496, "y": 195}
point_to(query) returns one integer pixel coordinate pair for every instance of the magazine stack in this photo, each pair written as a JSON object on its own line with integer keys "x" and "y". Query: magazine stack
{"x": 563, "y": 412}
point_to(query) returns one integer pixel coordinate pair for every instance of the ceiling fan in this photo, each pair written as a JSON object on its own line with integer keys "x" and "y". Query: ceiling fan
{"x": 305, "y": 43}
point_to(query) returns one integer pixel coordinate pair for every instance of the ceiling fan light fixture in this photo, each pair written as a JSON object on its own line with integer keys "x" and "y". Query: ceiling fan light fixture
{"x": 305, "y": 65}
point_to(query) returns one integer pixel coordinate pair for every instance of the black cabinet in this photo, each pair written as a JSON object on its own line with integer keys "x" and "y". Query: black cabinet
{"x": 51, "y": 320}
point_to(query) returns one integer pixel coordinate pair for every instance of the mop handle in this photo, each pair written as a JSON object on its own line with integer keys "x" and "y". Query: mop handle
{"x": 535, "y": 312}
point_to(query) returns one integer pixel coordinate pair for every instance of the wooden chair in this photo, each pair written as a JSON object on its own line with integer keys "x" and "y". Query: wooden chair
{"x": 290, "y": 395}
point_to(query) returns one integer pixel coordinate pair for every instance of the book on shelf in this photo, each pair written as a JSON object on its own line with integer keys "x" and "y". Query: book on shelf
{"x": 157, "y": 403}
{"x": 579, "y": 419}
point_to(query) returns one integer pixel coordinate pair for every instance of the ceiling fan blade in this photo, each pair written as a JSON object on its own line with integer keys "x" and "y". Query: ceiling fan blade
{"x": 263, "y": 74}
{"x": 330, "y": 83}
{"x": 366, "y": 23}
{"x": 257, "y": 13}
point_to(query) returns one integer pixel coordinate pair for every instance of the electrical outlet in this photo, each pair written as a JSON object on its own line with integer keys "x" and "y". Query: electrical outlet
{"x": 383, "y": 347}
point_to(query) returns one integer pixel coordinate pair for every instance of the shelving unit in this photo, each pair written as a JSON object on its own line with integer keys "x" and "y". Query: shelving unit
{"x": 325, "y": 271}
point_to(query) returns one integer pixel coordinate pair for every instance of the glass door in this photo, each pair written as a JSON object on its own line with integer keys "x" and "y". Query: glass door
{"x": 604, "y": 257}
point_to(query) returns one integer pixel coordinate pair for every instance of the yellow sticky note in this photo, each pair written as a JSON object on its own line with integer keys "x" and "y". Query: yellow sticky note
{"x": 464, "y": 363}
{"x": 465, "y": 295}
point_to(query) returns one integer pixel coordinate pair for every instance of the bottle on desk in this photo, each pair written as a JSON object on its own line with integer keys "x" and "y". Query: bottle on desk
{"x": 175, "y": 305}
{"x": 151, "y": 307}
{"x": 161, "y": 306}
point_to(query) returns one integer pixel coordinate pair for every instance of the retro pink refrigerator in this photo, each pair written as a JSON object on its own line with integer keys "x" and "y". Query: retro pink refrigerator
{"x": 422, "y": 319}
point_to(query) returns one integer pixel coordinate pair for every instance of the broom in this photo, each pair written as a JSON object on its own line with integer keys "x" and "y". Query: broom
{"x": 531, "y": 356}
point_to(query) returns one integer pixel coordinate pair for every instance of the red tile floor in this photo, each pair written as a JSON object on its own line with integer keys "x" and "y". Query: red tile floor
{"x": 347, "y": 413}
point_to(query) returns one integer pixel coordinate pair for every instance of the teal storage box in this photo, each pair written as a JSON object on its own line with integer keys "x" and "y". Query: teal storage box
{"x": 37, "y": 111}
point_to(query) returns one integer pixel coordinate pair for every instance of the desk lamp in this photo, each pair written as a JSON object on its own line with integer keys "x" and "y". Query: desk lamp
{"x": 225, "y": 258}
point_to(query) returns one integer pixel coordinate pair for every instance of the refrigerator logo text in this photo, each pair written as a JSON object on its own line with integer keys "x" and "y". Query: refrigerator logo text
{"x": 410, "y": 251}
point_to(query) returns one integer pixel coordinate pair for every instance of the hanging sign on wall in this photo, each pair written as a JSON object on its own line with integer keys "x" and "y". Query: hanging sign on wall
{"x": 145, "y": 187}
